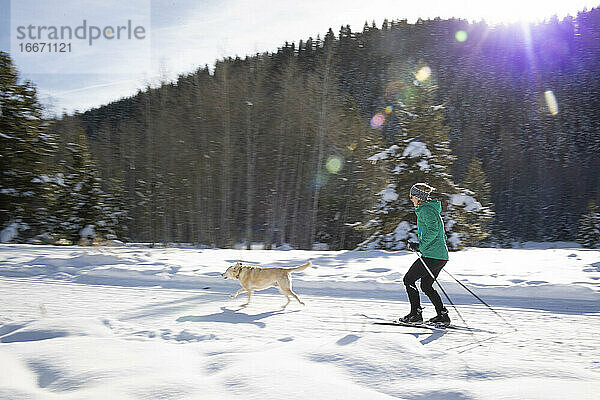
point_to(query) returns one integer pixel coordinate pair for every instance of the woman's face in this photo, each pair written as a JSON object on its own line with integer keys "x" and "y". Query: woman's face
{"x": 414, "y": 200}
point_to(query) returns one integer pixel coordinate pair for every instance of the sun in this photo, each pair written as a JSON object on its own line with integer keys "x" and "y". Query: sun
{"x": 531, "y": 11}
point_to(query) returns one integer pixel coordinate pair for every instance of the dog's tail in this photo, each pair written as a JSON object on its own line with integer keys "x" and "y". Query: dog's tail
{"x": 301, "y": 268}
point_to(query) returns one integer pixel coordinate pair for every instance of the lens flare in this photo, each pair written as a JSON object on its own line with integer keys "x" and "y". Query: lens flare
{"x": 334, "y": 164}
{"x": 461, "y": 36}
{"x": 389, "y": 109}
{"x": 319, "y": 181}
{"x": 551, "y": 102}
{"x": 423, "y": 74}
{"x": 377, "y": 121}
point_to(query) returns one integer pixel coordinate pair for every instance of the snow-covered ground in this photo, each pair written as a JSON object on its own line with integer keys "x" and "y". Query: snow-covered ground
{"x": 141, "y": 323}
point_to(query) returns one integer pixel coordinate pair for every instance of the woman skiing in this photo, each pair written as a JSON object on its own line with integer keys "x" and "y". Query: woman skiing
{"x": 432, "y": 245}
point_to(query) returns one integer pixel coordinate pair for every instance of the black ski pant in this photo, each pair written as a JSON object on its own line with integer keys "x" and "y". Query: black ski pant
{"x": 418, "y": 271}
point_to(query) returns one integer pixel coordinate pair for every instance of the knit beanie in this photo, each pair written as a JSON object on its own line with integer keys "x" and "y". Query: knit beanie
{"x": 418, "y": 193}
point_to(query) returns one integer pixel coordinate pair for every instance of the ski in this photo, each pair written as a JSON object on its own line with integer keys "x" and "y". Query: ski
{"x": 432, "y": 327}
{"x": 420, "y": 326}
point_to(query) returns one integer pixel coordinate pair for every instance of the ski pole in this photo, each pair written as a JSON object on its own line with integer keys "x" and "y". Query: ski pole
{"x": 443, "y": 291}
{"x": 481, "y": 300}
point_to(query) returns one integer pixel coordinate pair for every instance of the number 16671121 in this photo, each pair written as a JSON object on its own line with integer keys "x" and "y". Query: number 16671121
{"x": 44, "y": 47}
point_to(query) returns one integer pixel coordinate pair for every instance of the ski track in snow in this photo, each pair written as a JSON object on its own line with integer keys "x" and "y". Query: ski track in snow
{"x": 138, "y": 323}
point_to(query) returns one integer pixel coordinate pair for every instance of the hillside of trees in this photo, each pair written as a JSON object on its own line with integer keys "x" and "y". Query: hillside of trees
{"x": 274, "y": 148}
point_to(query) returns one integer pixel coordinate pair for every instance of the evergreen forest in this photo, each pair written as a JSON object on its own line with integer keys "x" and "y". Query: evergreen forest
{"x": 313, "y": 143}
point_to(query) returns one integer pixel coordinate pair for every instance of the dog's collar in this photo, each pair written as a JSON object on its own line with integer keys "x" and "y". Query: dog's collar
{"x": 242, "y": 268}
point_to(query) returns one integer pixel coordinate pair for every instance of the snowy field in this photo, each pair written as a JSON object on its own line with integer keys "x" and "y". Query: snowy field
{"x": 141, "y": 323}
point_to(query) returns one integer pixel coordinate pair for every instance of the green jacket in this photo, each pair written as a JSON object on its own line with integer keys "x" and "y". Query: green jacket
{"x": 430, "y": 228}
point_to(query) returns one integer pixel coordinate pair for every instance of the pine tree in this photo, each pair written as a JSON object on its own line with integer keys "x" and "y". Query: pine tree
{"x": 476, "y": 185}
{"x": 323, "y": 85}
{"x": 25, "y": 144}
{"x": 476, "y": 181}
{"x": 79, "y": 205}
{"x": 114, "y": 223}
{"x": 589, "y": 227}
{"x": 352, "y": 180}
{"x": 421, "y": 153}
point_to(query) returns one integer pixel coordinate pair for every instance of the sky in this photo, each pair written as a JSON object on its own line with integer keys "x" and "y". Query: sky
{"x": 183, "y": 35}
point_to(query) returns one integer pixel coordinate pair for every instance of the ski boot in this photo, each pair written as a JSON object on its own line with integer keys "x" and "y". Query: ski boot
{"x": 415, "y": 317}
{"x": 441, "y": 319}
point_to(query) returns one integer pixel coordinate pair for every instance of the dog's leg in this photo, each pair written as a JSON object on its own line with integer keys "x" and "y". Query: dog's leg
{"x": 249, "y": 297}
{"x": 296, "y": 297}
{"x": 242, "y": 290}
{"x": 286, "y": 288}
{"x": 288, "y": 301}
